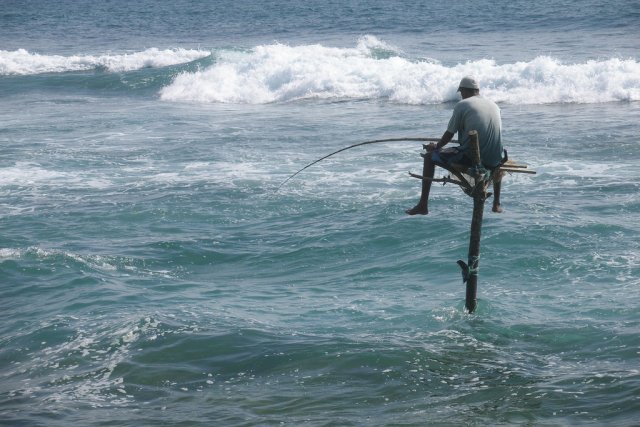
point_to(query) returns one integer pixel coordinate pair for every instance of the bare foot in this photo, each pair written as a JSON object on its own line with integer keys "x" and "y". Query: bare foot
{"x": 417, "y": 210}
{"x": 497, "y": 208}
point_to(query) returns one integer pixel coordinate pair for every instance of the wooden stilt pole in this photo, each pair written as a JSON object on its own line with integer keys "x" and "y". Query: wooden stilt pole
{"x": 473, "y": 261}
{"x": 470, "y": 269}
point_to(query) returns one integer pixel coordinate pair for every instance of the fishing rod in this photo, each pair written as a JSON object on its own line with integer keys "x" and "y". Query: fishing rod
{"x": 375, "y": 141}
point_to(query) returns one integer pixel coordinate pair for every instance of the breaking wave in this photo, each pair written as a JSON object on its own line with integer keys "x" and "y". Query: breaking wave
{"x": 375, "y": 70}
{"x": 371, "y": 70}
{"x": 22, "y": 62}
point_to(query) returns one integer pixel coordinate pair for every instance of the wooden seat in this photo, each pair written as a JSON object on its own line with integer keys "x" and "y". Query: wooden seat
{"x": 465, "y": 178}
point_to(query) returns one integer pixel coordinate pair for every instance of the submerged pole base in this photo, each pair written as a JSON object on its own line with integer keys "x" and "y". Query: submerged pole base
{"x": 470, "y": 278}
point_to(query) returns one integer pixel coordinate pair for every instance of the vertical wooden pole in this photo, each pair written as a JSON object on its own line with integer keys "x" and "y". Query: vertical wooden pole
{"x": 473, "y": 260}
{"x": 470, "y": 270}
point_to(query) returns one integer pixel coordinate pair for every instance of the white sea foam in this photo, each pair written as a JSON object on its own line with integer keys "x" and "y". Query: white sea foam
{"x": 10, "y": 253}
{"x": 31, "y": 174}
{"x": 103, "y": 345}
{"x": 28, "y": 173}
{"x": 569, "y": 169}
{"x": 281, "y": 73}
{"x": 22, "y": 62}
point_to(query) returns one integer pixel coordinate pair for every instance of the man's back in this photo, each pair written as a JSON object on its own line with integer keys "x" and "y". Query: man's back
{"x": 483, "y": 115}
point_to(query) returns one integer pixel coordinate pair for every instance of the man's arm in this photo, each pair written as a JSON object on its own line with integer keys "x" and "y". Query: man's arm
{"x": 446, "y": 138}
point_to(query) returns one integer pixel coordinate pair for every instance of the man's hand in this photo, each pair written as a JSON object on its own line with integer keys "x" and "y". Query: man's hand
{"x": 431, "y": 147}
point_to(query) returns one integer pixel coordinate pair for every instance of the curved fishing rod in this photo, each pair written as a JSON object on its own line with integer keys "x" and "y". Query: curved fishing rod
{"x": 375, "y": 141}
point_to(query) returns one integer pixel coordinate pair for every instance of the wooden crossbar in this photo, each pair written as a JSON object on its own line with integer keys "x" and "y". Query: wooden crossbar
{"x": 511, "y": 170}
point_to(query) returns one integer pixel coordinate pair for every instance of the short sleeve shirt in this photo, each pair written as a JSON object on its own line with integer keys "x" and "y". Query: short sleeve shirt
{"x": 482, "y": 115}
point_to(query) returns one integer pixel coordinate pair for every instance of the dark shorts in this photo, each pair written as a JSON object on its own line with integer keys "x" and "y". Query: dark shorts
{"x": 450, "y": 156}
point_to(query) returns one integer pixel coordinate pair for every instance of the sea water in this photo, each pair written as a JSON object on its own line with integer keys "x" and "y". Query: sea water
{"x": 153, "y": 271}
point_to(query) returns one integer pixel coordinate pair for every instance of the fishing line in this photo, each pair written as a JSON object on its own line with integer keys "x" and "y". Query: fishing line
{"x": 375, "y": 141}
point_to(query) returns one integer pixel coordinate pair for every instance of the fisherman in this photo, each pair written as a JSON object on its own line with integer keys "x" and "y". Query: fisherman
{"x": 474, "y": 112}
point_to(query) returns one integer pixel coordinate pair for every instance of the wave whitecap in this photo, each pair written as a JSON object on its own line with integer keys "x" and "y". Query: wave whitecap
{"x": 22, "y": 62}
{"x": 374, "y": 70}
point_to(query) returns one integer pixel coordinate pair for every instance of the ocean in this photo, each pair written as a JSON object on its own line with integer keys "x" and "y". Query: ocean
{"x": 154, "y": 272}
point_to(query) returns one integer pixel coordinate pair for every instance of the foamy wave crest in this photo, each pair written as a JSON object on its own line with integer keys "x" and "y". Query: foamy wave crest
{"x": 22, "y": 62}
{"x": 374, "y": 70}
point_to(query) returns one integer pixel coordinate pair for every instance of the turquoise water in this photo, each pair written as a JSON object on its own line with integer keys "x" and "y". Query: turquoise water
{"x": 152, "y": 272}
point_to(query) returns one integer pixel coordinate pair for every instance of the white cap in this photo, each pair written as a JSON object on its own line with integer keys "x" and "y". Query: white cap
{"x": 468, "y": 82}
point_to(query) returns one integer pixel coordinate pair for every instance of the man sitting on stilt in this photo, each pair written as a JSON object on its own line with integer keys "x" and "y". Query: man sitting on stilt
{"x": 474, "y": 112}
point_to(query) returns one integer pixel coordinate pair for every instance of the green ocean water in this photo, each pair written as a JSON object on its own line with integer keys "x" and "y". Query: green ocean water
{"x": 157, "y": 271}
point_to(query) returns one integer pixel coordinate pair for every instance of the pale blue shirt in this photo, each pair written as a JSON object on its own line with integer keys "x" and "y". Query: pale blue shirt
{"x": 482, "y": 115}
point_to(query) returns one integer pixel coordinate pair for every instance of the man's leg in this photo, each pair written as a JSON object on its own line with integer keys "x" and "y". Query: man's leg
{"x": 428, "y": 170}
{"x": 497, "y": 184}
